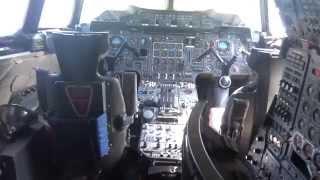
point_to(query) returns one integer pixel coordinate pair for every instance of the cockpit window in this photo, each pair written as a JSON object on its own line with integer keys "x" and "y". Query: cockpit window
{"x": 277, "y": 28}
{"x": 247, "y": 10}
{"x": 12, "y": 15}
{"x": 93, "y": 8}
{"x": 56, "y": 13}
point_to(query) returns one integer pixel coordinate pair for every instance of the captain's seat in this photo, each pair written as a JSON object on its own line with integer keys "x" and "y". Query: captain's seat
{"x": 73, "y": 101}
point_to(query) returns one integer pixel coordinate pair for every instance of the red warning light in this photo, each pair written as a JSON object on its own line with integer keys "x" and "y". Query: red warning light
{"x": 316, "y": 72}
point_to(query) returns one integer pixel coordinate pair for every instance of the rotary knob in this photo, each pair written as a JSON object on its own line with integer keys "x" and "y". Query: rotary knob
{"x": 148, "y": 114}
{"x": 225, "y": 81}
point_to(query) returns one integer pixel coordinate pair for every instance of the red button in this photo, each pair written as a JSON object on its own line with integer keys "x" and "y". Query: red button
{"x": 316, "y": 72}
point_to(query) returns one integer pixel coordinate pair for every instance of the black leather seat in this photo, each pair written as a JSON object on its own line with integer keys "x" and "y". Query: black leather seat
{"x": 74, "y": 99}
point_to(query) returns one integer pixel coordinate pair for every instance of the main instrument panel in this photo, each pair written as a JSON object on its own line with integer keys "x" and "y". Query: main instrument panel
{"x": 168, "y": 47}
{"x": 173, "y": 57}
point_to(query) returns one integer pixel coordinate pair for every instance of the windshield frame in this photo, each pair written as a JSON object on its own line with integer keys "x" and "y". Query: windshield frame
{"x": 35, "y": 8}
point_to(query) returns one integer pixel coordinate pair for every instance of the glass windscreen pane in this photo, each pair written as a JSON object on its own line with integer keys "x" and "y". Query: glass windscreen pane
{"x": 56, "y": 13}
{"x": 93, "y": 8}
{"x": 247, "y": 10}
{"x": 277, "y": 28}
{"x": 12, "y": 15}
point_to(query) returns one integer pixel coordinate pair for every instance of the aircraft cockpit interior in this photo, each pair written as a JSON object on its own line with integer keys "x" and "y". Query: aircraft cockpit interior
{"x": 160, "y": 90}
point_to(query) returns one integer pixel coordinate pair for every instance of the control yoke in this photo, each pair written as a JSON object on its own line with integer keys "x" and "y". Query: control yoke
{"x": 215, "y": 88}
{"x": 226, "y": 64}
{"x": 110, "y": 56}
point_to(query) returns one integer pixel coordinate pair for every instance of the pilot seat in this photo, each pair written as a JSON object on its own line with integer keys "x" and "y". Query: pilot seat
{"x": 88, "y": 117}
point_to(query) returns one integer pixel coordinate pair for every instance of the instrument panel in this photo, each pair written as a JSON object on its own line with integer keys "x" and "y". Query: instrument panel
{"x": 167, "y": 48}
{"x": 174, "y": 57}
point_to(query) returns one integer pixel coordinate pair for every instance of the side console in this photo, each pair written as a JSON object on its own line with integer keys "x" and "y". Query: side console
{"x": 291, "y": 147}
{"x": 291, "y": 86}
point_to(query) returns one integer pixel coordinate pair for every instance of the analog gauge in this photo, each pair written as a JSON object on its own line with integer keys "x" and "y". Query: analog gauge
{"x": 116, "y": 41}
{"x": 148, "y": 114}
{"x": 223, "y": 45}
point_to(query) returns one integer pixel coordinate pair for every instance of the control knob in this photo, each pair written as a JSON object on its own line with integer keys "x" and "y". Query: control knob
{"x": 148, "y": 114}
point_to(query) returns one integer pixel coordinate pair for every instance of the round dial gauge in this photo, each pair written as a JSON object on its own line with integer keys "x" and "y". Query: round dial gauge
{"x": 116, "y": 41}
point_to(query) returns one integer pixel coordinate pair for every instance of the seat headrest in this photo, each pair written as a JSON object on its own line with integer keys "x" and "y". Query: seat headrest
{"x": 78, "y": 54}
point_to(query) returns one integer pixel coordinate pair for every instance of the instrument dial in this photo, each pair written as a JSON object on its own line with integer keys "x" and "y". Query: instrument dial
{"x": 116, "y": 41}
{"x": 223, "y": 45}
{"x": 148, "y": 114}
